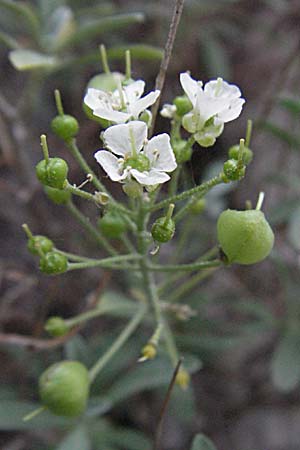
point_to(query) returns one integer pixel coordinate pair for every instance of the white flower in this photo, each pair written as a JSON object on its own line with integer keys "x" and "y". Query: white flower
{"x": 146, "y": 161}
{"x": 168, "y": 111}
{"x": 215, "y": 104}
{"x": 121, "y": 105}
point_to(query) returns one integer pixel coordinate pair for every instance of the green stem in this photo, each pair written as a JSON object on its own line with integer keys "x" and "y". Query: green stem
{"x": 201, "y": 189}
{"x": 58, "y": 102}
{"x": 104, "y": 60}
{"x": 170, "y": 344}
{"x": 186, "y": 267}
{"x": 248, "y": 133}
{"x": 72, "y": 145}
{"x": 106, "y": 262}
{"x": 119, "y": 342}
{"x": 127, "y": 65}
{"x": 93, "y": 232}
{"x": 45, "y": 147}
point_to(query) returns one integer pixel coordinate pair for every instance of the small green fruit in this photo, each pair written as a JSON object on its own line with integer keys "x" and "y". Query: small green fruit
{"x": 56, "y": 326}
{"x": 132, "y": 189}
{"x": 53, "y": 263}
{"x": 58, "y": 196}
{"x": 65, "y": 126}
{"x": 198, "y": 206}
{"x": 245, "y": 236}
{"x": 162, "y": 230}
{"x": 112, "y": 225}
{"x": 64, "y": 388}
{"x": 233, "y": 171}
{"x": 107, "y": 82}
{"x": 182, "y": 151}
{"x": 233, "y": 153}
{"x": 53, "y": 172}
{"x": 39, "y": 244}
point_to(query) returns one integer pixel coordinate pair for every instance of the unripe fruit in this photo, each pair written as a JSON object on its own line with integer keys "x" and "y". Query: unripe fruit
{"x": 106, "y": 81}
{"x": 112, "y": 225}
{"x": 58, "y": 196}
{"x": 233, "y": 171}
{"x": 162, "y": 230}
{"x": 65, "y": 126}
{"x": 233, "y": 153}
{"x": 132, "y": 189}
{"x": 53, "y": 263}
{"x": 198, "y": 206}
{"x": 182, "y": 151}
{"x": 56, "y": 326}
{"x": 245, "y": 236}
{"x": 53, "y": 172}
{"x": 64, "y": 388}
{"x": 39, "y": 244}
{"x": 183, "y": 105}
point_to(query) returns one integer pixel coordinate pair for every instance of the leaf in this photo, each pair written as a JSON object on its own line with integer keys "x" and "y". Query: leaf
{"x": 78, "y": 439}
{"x": 293, "y": 231}
{"x": 285, "y": 364}
{"x": 29, "y": 60}
{"x": 291, "y": 104}
{"x": 201, "y": 442}
{"x": 12, "y": 413}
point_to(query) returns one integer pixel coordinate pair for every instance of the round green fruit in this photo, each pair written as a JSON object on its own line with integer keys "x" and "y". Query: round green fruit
{"x": 53, "y": 172}
{"x": 163, "y": 231}
{"x": 112, "y": 225}
{"x": 233, "y": 171}
{"x": 183, "y": 105}
{"x": 198, "y": 206}
{"x": 233, "y": 153}
{"x": 245, "y": 236}
{"x": 53, "y": 263}
{"x": 58, "y": 196}
{"x": 65, "y": 126}
{"x": 39, "y": 244}
{"x": 56, "y": 326}
{"x": 64, "y": 388}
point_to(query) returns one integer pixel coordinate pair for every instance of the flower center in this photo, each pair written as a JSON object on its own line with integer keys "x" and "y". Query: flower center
{"x": 139, "y": 162}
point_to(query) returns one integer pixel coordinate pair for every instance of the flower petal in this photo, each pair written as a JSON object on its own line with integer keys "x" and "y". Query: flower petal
{"x": 111, "y": 164}
{"x": 160, "y": 153}
{"x": 190, "y": 86}
{"x": 134, "y": 91}
{"x": 95, "y": 98}
{"x": 149, "y": 178}
{"x": 220, "y": 88}
{"x": 118, "y": 138}
{"x": 233, "y": 111}
{"x": 111, "y": 115}
{"x": 143, "y": 103}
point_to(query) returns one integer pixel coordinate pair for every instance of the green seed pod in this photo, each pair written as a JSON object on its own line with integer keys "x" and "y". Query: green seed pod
{"x": 58, "y": 196}
{"x": 233, "y": 171}
{"x": 53, "y": 263}
{"x": 198, "y": 206}
{"x": 182, "y": 151}
{"x": 64, "y": 388}
{"x": 65, "y": 126}
{"x": 163, "y": 230}
{"x": 53, "y": 172}
{"x": 112, "y": 225}
{"x": 39, "y": 244}
{"x": 132, "y": 189}
{"x": 233, "y": 153}
{"x": 56, "y": 326}
{"x": 107, "y": 82}
{"x": 139, "y": 162}
{"x": 245, "y": 236}
{"x": 183, "y": 105}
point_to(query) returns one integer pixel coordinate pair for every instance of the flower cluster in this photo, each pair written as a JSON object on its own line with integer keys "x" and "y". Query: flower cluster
{"x": 128, "y": 154}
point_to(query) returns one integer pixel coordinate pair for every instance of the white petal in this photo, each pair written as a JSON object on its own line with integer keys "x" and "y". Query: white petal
{"x": 92, "y": 98}
{"x": 207, "y": 107}
{"x": 111, "y": 115}
{"x": 190, "y": 86}
{"x": 149, "y": 178}
{"x": 233, "y": 111}
{"x": 111, "y": 164}
{"x": 133, "y": 91}
{"x": 143, "y": 103}
{"x": 160, "y": 153}
{"x": 220, "y": 88}
{"x": 168, "y": 111}
{"x": 118, "y": 138}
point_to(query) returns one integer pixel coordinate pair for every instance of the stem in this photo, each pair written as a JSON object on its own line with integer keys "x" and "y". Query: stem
{"x": 27, "y": 231}
{"x": 58, "y": 102}
{"x": 76, "y": 191}
{"x": 248, "y": 133}
{"x": 201, "y": 189}
{"x": 45, "y": 147}
{"x": 260, "y": 201}
{"x": 127, "y": 65}
{"x": 185, "y": 267}
{"x": 84, "y": 317}
{"x": 160, "y": 79}
{"x": 93, "y": 232}
{"x": 188, "y": 285}
{"x": 72, "y": 145}
{"x": 241, "y": 151}
{"x": 104, "y": 60}
{"x": 119, "y": 342}
{"x": 169, "y": 214}
{"x": 34, "y": 413}
{"x": 106, "y": 262}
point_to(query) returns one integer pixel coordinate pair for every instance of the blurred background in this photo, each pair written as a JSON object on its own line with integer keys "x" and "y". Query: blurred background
{"x": 246, "y": 331}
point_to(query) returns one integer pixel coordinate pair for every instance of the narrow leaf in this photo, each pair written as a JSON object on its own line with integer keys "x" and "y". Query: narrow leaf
{"x": 29, "y": 60}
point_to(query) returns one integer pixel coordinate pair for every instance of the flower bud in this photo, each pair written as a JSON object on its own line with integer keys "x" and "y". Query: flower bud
{"x": 183, "y": 378}
{"x": 53, "y": 263}
{"x": 64, "y": 388}
{"x": 233, "y": 153}
{"x": 65, "y": 126}
{"x": 39, "y": 244}
{"x": 58, "y": 196}
{"x": 198, "y": 206}
{"x": 163, "y": 230}
{"x": 112, "y": 225}
{"x": 183, "y": 105}
{"x": 132, "y": 189}
{"x": 146, "y": 117}
{"x": 149, "y": 351}
{"x": 53, "y": 172}
{"x": 233, "y": 170}
{"x": 56, "y": 326}
{"x": 245, "y": 236}
{"x": 182, "y": 151}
